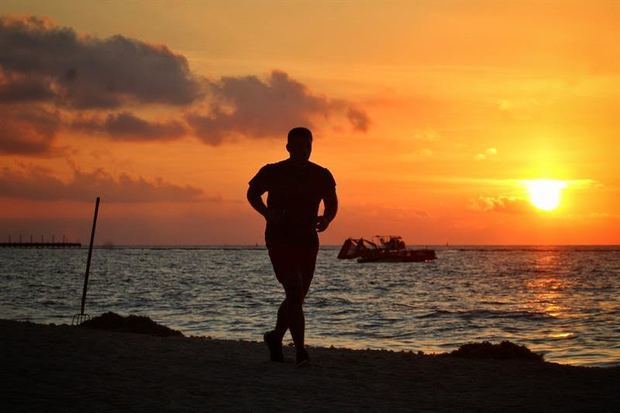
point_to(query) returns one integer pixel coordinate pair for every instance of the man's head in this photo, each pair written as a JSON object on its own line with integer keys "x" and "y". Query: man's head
{"x": 299, "y": 143}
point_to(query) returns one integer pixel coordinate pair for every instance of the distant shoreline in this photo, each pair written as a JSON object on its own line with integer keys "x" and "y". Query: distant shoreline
{"x": 464, "y": 247}
{"x": 70, "y": 369}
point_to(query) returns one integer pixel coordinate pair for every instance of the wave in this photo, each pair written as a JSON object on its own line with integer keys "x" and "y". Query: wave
{"x": 490, "y": 314}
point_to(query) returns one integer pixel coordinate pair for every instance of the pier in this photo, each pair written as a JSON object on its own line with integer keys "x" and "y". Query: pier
{"x": 42, "y": 244}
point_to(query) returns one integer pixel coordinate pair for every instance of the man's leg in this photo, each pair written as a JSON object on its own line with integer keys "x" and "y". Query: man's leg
{"x": 306, "y": 261}
{"x": 283, "y": 266}
{"x": 282, "y": 322}
{"x": 293, "y": 314}
{"x": 281, "y": 262}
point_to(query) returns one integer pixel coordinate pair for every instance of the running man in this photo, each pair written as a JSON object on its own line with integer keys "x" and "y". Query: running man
{"x": 295, "y": 189}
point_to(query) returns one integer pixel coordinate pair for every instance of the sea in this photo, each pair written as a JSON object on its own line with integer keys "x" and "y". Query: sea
{"x": 561, "y": 301}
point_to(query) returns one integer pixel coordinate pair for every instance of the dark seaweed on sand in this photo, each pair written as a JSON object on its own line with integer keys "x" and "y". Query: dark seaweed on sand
{"x": 504, "y": 350}
{"x": 132, "y": 324}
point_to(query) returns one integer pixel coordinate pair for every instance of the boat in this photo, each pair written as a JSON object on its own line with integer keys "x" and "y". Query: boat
{"x": 386, "y": 248}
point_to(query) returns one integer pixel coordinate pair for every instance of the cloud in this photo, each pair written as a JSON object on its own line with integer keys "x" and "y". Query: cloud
{"x": 128, "y": 127}
{"x": 257, "y": 108}
{"x": 520, "y": 109}
{"x": 487, "y": 154}
{"x": 416, "y": 155}
{"x": 104, "y": 86}
{"x": 505, "y": 204}
{"x": 426, "y": 135}
{"x": 42, "y": 61}
{"x": 359, "y": 119}
{"x": 16, "y": 88}
{"x": 27, "y": 130}
{"x": 505, "y": 105}
{"x": 85, "y": 186}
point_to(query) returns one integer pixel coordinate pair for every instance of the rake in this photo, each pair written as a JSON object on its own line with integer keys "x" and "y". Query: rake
{"x": 81, "y": 317}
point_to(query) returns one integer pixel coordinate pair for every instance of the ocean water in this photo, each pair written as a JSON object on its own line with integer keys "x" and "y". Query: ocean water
{"x": 560, "y": 301}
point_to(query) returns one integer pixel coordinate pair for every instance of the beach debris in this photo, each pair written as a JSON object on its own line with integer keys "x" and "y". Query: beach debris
{"x": 501, "y": 351}
{"x": 131, "y": 324}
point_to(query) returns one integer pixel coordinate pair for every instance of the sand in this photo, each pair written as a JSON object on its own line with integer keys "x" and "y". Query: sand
{"x": 63, "y": 368}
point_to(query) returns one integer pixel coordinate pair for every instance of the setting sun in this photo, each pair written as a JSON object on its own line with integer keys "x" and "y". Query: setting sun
{"x": 545, "y": 194}
{"x": 167, "y": 112}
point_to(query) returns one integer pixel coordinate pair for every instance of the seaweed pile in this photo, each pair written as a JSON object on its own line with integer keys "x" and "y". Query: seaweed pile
{"x": 132, "y": 324}
{"x": 502, "y": 351}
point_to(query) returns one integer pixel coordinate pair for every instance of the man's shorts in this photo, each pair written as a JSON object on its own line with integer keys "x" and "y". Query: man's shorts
{"x": 293, "y": 263}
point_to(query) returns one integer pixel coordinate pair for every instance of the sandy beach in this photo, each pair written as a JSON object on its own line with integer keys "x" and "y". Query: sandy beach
{"x": 63, "y": 368}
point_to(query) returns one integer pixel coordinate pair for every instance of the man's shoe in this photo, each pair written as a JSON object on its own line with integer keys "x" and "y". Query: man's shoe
{"x": 275, "y": 346}
{"x": 303, "y": 358}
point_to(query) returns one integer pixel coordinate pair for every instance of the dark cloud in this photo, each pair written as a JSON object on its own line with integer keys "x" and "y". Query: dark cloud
{"x": 258, "y": 108}
{"x": 126, "y": 126}
{"x": 85, "y": 186}
{"x": 359, "y": 119}
{"x": 93, "y": 83}
{"x": 15, "y": 88}
{"x": 87, "y": 72}
{"x": 27, "y": 130}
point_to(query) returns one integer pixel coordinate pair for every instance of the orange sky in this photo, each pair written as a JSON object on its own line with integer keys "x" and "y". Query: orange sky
{"x": 429, "y": 114}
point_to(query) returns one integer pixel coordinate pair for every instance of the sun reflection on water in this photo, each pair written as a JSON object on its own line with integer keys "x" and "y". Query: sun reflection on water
{"x": 547, "y": 296}
{"x": 548, "y": 293}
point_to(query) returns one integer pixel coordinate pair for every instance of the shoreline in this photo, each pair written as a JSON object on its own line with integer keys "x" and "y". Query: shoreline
{"x": 69, "y": 369}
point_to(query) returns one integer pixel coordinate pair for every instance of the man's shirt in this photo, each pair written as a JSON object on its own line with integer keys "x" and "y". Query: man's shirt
{"x": 295, "y": 191}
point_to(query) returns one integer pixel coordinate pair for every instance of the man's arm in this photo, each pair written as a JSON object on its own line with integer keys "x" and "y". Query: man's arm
{"x": 331, "y": 208}
{"x": 255, "y": 199}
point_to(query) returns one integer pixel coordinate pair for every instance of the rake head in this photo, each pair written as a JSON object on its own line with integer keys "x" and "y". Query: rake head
{"x": 79, "y": 319}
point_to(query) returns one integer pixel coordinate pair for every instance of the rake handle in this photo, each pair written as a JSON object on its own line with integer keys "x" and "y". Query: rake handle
{"x": 90, "y": 254}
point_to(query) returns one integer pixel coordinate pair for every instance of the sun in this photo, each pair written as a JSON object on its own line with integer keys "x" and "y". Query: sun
{"x": 545, "y": 194}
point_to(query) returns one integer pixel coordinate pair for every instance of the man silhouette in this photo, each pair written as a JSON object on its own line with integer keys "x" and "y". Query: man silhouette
{"x": 295, "y": 189}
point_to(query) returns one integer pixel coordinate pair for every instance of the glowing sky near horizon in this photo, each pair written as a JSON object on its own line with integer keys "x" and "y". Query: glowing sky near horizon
{"x": 430, "y": 115}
